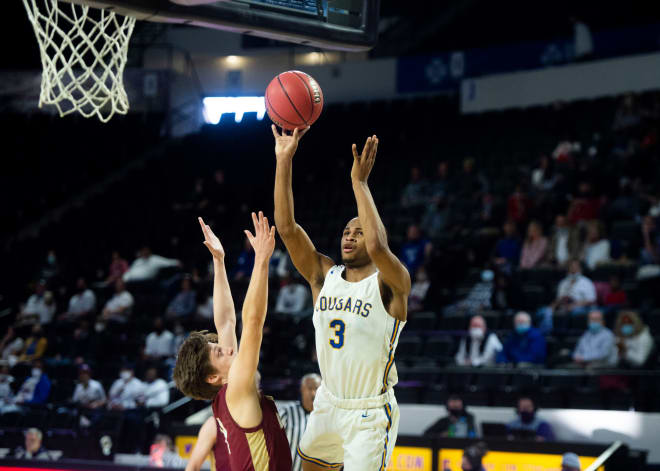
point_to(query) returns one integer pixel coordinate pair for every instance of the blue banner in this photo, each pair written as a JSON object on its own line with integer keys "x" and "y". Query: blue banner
{"x": 444, "y": 72}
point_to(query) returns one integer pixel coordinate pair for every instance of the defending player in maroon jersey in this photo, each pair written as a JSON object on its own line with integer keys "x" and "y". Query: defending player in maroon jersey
{"x": 210, "y": 366}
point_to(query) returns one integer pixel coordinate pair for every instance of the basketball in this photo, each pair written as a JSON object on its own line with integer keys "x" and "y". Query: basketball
{"x": 294, "y": 100}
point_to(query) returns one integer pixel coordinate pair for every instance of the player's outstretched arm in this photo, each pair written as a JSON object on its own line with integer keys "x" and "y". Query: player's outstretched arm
{"x": 224, "y": 314}
{"x": 204, "y": 445}
{"x": 392, "y": 271}
{"x": 311, "y": 264}
{"x": 242, "y": 398}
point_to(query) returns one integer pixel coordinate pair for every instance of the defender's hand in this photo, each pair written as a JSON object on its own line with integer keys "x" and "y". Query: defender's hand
{"x": 286, "y": 144}
{"x": 212, "y": 242}
{"x": 364, "y": 162}
{"x": 263, "y": 240}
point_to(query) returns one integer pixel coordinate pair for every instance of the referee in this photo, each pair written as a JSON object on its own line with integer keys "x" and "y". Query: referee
{"x": 294, "y": 415}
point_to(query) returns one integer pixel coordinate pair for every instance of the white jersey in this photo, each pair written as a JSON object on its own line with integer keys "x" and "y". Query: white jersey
{"x": 355, "y": 337}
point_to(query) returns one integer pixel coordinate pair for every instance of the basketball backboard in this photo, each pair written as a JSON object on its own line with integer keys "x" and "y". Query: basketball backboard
{"x": 349, "y": 25}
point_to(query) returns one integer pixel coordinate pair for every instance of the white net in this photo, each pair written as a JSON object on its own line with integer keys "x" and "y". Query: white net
{"x": 83, "y": 54}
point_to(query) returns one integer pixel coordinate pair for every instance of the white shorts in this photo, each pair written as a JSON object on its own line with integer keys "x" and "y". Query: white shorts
{"x": 357, "y": 433}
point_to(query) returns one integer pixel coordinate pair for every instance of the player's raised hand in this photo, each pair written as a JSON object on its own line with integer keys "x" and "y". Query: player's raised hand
{"x": 364, "y": 162}
{"x": 286, "y": 144}
{"x": 263, "y": 240}
{"x": 212, "y": 242}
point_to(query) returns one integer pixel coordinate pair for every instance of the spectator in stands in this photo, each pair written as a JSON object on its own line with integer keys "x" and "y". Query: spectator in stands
{"x": 244, "y": 263}
{"x": 81, "y": 304}
{"x": 507, "y": 248}
{"x": 11, "y": 347}
{"x": 179, "y": 335}
{"x": 159, "y": 344}
{"x": 596, "y": 347}
{"x": 627, "y": 116}
{"x": 163, "y": 455}
{"x": 576, "y": 294}
{"x": 503, "y": 298}
{"x": 473, "y": 456}
{"x": 616, "y": 297}
{"x": 437, "y": 217}
{"x": 596, "y": 248}
{"x": 528, "y": 422}
{"x": 36, "y": 388}
{"x": 6, "y": 392}
{"x": 583, "y": 42}
{"x": 40, "y": 307}
{"x": 525, "y": 346}
{"x": 458, "y": 423}
{"x": 418, "y": 290}
{"x": 155, "y": 393}
{"x": 477, "y": 300}
{"x": 535, "y": 246}
{"x": 292, "y": 297}
{"x": 585, "y": 205}
{"x": 50, "y": 269}
{"x": 147, "y": 266}
{"x": 118, "y": 308}
{"x": 118, "y": 266}
{"x": 280, "y": 263}
{"x": 544, "y": 177}
{"x": 417, "y": 249}
{"x": 34, "y": 449}
{"x": 518, "y": 205}
{"x": 205, "y": 308}
{"x": 183, "y": 304}
{"x": 35, "y": 345}
{"x": 633, "y": 340}
{"x": 469, "y": 183}
{"x": 196, "y": 201}
{"x": 415, "y": 193}
{"x": 125, "y": 391}
{"x": 479, "y": 347}
{"x": 650, "y": 254}
{"x": 570, "y": 462}
{"x": 441, "y": 185}
{"x": 564, "y": 243}
{"x": 89, "y": 393}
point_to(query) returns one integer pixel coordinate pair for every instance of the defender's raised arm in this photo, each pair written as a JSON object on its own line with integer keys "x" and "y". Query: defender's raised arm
{"x": 224, "y": 314}
{"x": 242, "y": 397}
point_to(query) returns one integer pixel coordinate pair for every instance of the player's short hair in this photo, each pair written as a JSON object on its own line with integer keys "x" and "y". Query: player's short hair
{"x": 193, "y": 366}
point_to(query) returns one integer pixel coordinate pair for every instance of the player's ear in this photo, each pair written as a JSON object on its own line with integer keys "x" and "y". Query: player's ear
{"x": 213, "y": 378}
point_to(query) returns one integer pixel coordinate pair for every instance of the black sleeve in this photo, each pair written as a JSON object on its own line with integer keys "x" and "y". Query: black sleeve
{"x": 437, "y": 428}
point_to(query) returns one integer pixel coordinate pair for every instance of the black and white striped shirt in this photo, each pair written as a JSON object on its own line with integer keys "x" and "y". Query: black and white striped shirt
{"x": 294, "y": 417}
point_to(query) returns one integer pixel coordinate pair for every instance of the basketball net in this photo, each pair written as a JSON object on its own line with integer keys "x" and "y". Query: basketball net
{"x": 83, "y": 57}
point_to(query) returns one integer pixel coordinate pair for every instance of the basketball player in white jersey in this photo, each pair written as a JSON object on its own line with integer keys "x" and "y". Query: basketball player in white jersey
{"x": 360, "y": 308}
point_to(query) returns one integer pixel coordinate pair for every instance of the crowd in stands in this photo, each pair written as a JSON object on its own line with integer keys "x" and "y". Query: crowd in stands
{"x": 99, "y": 329}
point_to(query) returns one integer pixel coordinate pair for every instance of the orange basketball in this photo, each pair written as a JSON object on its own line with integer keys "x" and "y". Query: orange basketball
{"x": 293, "y": 100}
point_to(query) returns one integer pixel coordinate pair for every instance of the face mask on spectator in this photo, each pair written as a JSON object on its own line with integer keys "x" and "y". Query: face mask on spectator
{"x": 627, "y": 329}
{"x": 526, "y": 417}
{"x": 455, "y": 412}
{"x": 487, "y": 276}
{"x": 36, "y": 372}
{"x": 595, "y": 327}
{"x": 125, "y": 375}
{"x": 522, "y": 328}
{"x": 476, "y": 332}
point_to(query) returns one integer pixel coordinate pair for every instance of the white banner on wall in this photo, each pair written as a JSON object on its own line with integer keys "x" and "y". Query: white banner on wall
{"x": 571, "y": 82}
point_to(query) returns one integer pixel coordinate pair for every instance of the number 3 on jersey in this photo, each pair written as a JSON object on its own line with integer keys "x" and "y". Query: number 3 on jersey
{"x": 339, "y": 327}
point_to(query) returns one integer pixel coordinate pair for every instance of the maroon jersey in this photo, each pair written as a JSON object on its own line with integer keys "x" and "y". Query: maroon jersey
{"x": 260, "y": 448}
{"x": 220, "y": 452}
